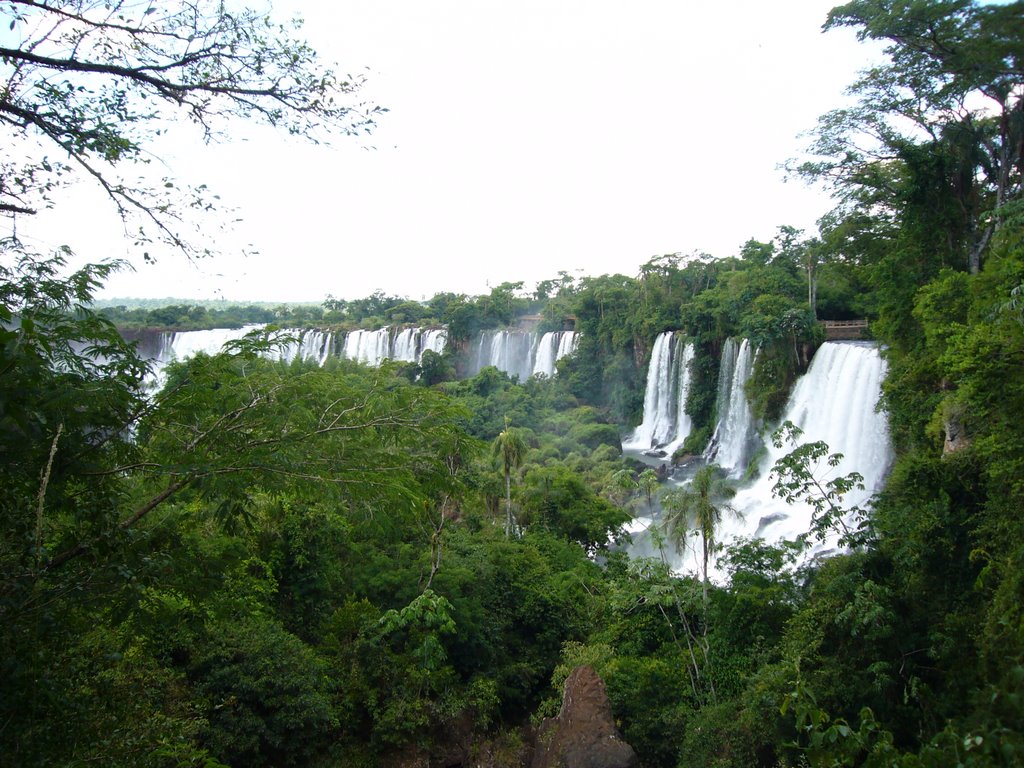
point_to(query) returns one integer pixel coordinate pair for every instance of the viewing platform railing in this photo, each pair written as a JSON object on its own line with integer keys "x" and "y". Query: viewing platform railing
{"x": 843, "y": 330}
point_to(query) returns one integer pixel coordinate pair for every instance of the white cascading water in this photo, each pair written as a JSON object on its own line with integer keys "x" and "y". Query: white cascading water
{"x": 407, "y": 345}
{"x": 508, "y": 351}
{"x": 523, "y": 353}
{"x": 410, "y": 343}
{"x": 544, "y": 358}
{"x": 735, "y": 435}
{"x": 404, "y": 346}
{"x": 369, "y": 347}
{"x": 435, "y": 340}
{"x": 552, "y": 347}
{"x": 834, "y": 402}
{"x": 311, "y": 345}
{"x": 180, "y": 345}
{"x": 568, "y": 342}
{"x": 665, "y": 423}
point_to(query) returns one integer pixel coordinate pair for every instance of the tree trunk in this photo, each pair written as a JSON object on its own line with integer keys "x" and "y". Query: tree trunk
{"x": 704, "y": 546}
{"x": 508, "y": 504}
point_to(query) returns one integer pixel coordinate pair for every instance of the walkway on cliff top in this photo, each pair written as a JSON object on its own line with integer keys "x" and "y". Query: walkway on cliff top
{"x": 845, "y": 330}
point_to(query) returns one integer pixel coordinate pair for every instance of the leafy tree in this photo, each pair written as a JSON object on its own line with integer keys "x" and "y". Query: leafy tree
{"x": 804, "y": 254}
{"x": 105, "y": 483}
{"x": 268, "y": 695}
{"x": 798, "y": 478}
{"x": 647, "y": 482}
{"x": 558, "y": 499}
{"x": 698, "y": 507}
{"x": 65, "y": 415}
{"x": 937, "y": 130}
{"x": 509, "y": 450}
{"x": 91, "y": 81}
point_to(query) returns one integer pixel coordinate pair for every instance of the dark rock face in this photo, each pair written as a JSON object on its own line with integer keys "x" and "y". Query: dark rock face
{"x": 584, "y": 733}
{"x": 956, "y": 435}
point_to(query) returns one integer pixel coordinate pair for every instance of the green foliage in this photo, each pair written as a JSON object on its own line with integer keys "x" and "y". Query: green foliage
{"x": 800, "y": 477}
{"x": 190, "y": 317}
{"x": 424, "y": 620}
{"x": 91, "y": 91}
{"x": 698, "y": 508}
{"x": 751, "y": 617}
{"x": 117, "y": 705}
{"x": 508, "y": 451}
{"x": 466, "y": 316}
{"x": 269, "y": 564}
{"x": 558, "y": 500}
{"x": 268, "y": 696}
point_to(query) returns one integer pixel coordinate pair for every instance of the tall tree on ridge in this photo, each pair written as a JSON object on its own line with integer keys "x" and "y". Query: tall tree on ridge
{"x": 938, "y": 131}
{"x": 509, "y": 448}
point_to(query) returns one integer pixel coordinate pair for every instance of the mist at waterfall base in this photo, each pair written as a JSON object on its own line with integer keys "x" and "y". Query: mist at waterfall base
{"x": 834, "y": 402}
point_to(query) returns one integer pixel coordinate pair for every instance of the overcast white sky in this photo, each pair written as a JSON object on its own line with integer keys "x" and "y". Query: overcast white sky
{"x": 523, "y": 138}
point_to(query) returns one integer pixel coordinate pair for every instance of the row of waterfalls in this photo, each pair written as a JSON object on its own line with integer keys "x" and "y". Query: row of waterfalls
{"x": 835, "y": 401}
{"x": 666, "y": 425}
{"x": 517, "y": 353}
{"x": 522, "y": 353}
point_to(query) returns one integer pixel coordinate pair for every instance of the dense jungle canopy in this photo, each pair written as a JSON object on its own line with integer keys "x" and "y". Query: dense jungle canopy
{"x": 275, "y": 564}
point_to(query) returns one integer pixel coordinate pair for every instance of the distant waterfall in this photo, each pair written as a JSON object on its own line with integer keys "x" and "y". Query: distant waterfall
{"x": 665, "y": 424}
{"x": 522, "y": 353}
{"x": 369, "y": 347}
{"x": 406, "y": 345}
{"x": 312, "y": 345}
{"x": 434, "y": 339}
{"x": 835, "y": 402}
{"x": 551, "y": 348}
{"x": 181, "y": 345}
{"x": 734, "y": 437}
{"x": 409, "y": 344}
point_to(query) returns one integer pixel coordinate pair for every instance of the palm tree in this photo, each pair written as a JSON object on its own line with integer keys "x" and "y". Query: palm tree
{"x": 648, "y": 482}
{"x": 509, "y": 447}
{"x": 698, "y": 507}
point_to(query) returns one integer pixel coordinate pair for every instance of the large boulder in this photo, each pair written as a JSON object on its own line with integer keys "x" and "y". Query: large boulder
{"x": 584, "y": 733}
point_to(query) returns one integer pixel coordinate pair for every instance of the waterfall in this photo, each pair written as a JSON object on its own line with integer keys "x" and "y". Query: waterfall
{"x": 568, "y": 341}
{"x": 835, "y": 402}
{"x": 522, "y": 353}
{"x": 665, "y": 423}
{"x": 547, "y": 348}
{"x": 404, "y": 347}
{"x": 508, "y": 351}
{"x": 311, "y": 345}
{"x": 370, "y": 347}
{"x": 552, "y": 347}
{"x": 435, "y": 340}
{"x": 734, "y": 437}
{"x": 179, "y": 345}
{"x": 407, "y": 345}
{"x": 410, "y": 343}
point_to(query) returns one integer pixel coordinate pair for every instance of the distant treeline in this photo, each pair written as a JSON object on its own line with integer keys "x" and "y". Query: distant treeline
{"x": 463, "y": 315}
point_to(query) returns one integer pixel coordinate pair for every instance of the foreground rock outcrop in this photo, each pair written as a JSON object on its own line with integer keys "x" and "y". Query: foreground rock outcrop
{"x": 584, "y": 733}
